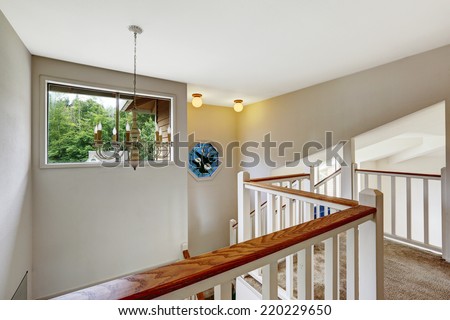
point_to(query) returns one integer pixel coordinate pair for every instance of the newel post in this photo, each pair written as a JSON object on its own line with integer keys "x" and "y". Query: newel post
{"x": 244, "y": 220}
{"x": 371, "y": 248}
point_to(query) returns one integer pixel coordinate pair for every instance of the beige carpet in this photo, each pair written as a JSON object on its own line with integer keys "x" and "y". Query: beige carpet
{"x": 410, "y": 274}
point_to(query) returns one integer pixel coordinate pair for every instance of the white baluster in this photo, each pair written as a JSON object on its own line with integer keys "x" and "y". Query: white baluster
{"x": 408, "y": 208}
{"x": 393, "y": 200}
{"x": 223, "y": 291}
{"x": 352, "y": 264}
{"x": 279, "y": 213}
{"x": 258, "y": 222}
{"x": 288, "y": 216}
{"x": 290, "y": 276}
{"x": 426, "y": 218}
{"x": 312, "y": 179}
{"x": 270, "y": 211}
{"x": 244, "y": 226}
{"x": 334, "y": 186}
{"x": 288, "y": 211}
{"x": 233, "y": 234}
{"x": 270, "y": 281}
{"x": 331, "y": 268}
{"x": 305, "y": 276}
{"x": 298, "y": 205}
{"x": 289, "y": 259}
{"x": 355, "y": 185}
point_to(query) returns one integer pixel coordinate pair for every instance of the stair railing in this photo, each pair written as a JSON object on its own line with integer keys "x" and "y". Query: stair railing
{"x": 330, "y": 185}
{"x": 412, "y": 207}
{"x": 300, "y": 207}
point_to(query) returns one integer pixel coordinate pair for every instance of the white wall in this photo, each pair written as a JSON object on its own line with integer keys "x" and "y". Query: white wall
{"x": 15, "y": 145}
{"x": 425, "y": 164}
{"x": 212, "y": 203}
{"x": 93, "y": 224}
{"x": 413, "y": 143}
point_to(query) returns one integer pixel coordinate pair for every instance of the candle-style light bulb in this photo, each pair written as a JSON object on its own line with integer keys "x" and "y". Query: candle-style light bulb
{"x": 169, "y": 133}
{"x": 160, "y": 134}
{"x": 99, "y": 131}
{"x": 95, "y": 133}
{"x": 156, "y": 132}
{"x": 114, "y": 132}
{"x": 127, "y": 132}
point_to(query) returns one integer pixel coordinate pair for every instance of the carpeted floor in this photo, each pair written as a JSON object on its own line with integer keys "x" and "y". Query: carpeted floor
{"x": 410, "y": 274}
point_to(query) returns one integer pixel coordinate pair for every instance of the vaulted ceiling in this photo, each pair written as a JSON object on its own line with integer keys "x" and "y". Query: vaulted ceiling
{"x": 252, "y": 49}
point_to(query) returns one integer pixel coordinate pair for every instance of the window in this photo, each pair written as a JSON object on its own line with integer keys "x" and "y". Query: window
{"x": 73, "y": 112}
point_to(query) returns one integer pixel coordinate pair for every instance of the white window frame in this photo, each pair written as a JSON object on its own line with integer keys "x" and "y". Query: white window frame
{"x": 43, "y": 117}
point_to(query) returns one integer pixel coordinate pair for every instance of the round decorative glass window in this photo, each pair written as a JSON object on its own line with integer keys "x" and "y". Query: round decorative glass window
{"x": 203, "y": 160}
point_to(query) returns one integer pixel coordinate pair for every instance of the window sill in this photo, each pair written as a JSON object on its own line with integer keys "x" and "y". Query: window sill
{"x": 100, "y": 165}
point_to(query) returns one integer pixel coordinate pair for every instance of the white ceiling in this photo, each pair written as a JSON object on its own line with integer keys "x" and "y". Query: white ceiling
{"x": 252, "y": 49}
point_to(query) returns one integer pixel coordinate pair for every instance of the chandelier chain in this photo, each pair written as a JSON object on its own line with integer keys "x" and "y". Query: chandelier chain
{"x": 134, "y": 79}
{"x": 132, "y": 147}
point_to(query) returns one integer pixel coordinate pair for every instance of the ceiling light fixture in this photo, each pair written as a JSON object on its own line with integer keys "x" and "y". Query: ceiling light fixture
{"x": 132, "y": 143}
{"x": 238, "y": 106}
{"x": 197, "y": 100}
{"x": 133, "y": 147}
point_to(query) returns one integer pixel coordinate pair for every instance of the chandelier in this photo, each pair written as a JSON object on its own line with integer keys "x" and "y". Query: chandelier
{"x": 132, "y": 148}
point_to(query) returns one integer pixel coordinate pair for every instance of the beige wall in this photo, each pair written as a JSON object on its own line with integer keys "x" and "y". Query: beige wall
{"x": 212, "y": 203}
{"x": 15, "y": 145}
{"x": 350, "y": 105}
{"x": 93, "y": 224}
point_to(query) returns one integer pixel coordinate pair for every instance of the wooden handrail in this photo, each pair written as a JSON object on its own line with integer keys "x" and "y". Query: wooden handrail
{"x": 187, "y": 255}
{"x": 284, "y": 177}
{"x": 318, "y": 184}
{"x": 301, "y": 193}
{"x": 163, "y": 280}
{"x": 396, "y": 173}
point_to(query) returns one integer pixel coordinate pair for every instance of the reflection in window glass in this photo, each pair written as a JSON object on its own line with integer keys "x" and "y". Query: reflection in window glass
{"x": 73, "y": 112}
